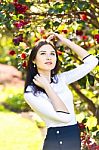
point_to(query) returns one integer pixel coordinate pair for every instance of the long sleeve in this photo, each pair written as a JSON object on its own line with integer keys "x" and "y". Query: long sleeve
{"x": 44, "y": 108}
{"x": 75, "y": 74}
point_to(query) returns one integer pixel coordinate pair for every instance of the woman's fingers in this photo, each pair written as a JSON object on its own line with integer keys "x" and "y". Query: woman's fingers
{"x": 51, "y": 37}
{"x": 53, "y": 33}
{"x": 36, "y": 82}
{"x": 40, "y": 80}
{"x": 36, "y": 77}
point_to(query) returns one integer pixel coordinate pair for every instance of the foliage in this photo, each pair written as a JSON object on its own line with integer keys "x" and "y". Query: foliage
{"x": 28, "y": 21}
{"x": 13, "y": 101}
{"x": 16, "y": 103}
{"x": 23, "y": 23}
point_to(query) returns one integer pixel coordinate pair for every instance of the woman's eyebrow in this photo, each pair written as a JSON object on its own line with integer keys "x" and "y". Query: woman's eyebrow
{"x": 46, "y": 51}
{"x": 42, "y": 51}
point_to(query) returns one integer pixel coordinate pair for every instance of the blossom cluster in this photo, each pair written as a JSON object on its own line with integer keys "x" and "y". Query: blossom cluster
{"x": 20, "y": 8}
{"x": 87, "y": 141}
{"x": 20, "y": 24}
{"x": 97, "y": 37}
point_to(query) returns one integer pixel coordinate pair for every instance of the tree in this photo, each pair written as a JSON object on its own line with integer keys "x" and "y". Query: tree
{"x": 22, "y": 23}
{"x": 28, "y": 21}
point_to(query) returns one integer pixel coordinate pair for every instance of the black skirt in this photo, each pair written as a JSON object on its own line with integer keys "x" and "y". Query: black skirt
{"x": 63, "y": 138}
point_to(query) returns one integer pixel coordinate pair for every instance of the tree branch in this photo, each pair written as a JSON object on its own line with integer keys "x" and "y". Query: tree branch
{"x": 59, "y": 15}
{"x": 91, "y": 105}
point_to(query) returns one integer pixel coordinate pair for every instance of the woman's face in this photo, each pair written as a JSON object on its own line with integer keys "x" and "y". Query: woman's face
{"x": 45, "y": 58}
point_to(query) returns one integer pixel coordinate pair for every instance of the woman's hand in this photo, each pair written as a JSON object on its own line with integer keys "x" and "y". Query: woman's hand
{"x": 41, "y": 81}
{"x": 59, "y": 37}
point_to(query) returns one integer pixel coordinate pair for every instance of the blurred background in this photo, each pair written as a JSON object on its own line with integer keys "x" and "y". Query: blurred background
{"x": 22, "y": 24}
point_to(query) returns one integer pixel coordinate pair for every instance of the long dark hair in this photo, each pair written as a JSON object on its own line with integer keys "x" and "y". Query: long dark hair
{"x": 32, "y": 71}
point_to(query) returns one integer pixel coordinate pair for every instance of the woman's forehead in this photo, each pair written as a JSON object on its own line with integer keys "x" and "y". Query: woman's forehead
{"x": 46, "y": 47}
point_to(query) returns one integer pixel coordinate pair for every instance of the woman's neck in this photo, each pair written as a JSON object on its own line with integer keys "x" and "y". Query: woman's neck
{"x": 46, "y": 74}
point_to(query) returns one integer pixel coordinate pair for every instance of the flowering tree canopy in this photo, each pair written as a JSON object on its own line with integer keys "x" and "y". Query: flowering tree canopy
{"x": 28, "y": 21}
{"x": 23, "y": 23}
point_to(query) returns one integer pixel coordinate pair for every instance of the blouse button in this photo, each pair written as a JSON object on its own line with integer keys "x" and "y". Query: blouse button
{"x": 57, "y": 132}
{"x": 61, "y": 142}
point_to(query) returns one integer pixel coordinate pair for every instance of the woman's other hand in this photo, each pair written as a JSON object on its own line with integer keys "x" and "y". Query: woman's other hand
{"x": 41, "y": 81}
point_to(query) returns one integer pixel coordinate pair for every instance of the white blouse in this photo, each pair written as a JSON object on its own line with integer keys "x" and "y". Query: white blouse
{"x": 41, "y": 103}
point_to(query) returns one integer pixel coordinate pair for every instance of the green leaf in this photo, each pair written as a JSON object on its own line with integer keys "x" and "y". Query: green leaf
{"x": 97, "y": 134}
{"x": 81, "y": 22}
{"x": 87, "y": 129}
{"x": 27, "y": 50}
{"x": 70, "y": 67}
{"x": 1, "y": 23}
{"x": 14, "y": 17}
{"x": 11, "y": 8}
{"x": 45, "y": 1}
{"x": 65, "y": 6}
{"x": 22, "y": 1}
{"x": 56, "y": 11}
{"x": 82, "y": 82}
{"x": 83, "y": 5}
{"x": 91, "y": 79}
{"x": 62, "y": 48}
{"x": 51, "y": 11}
{"x": 60, "y": 10}
{"x": 57, "y": 4}
{"x": 2, "y": 16}
{"x": 84, "y": 120}
{"x": 47, "y": 24}
{"x": 56, "y": 23}
{"x": 94, "y": 129}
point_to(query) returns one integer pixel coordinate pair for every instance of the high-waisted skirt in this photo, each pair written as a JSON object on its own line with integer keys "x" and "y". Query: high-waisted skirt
{"x": 63, "y": 138}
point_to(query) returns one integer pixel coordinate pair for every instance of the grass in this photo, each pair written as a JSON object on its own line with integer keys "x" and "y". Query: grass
{"x": 18, "y": 133}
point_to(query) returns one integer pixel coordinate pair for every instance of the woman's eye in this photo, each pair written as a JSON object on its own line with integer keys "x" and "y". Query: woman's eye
{"x": 52, "y": 53}
{"x": 43, "y": 53}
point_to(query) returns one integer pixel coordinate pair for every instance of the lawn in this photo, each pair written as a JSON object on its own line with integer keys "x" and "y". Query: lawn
{"x": 18, "y": 133}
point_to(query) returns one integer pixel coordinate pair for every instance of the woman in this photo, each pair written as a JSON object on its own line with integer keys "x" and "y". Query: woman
{"x": 49, "y": 96}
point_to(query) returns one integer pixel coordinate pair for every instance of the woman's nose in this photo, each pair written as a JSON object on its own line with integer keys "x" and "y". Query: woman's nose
{"x": 48, "y": 57}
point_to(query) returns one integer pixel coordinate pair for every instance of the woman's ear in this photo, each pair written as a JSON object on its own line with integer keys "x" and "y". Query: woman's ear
{"x": 34, "y": 63}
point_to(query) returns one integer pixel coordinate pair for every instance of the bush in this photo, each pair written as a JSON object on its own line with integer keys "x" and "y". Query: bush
{"x": 16, "y": 103}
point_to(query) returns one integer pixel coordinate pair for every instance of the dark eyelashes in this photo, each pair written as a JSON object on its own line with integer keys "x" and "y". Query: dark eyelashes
{"x": 42, "y": 53}
{"x": 45, "y": 53}
{"x": 52, "y": 53}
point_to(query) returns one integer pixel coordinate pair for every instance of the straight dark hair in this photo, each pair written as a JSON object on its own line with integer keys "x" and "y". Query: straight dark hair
{"x": 32, "y": 70}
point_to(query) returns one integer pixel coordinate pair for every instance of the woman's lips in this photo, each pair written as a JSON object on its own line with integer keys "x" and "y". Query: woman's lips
{"x": 48, "y": 63}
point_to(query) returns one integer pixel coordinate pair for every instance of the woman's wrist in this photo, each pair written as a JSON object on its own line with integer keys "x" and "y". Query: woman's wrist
{"x": 67, "y": 42}
{"x": 47, "y": 87}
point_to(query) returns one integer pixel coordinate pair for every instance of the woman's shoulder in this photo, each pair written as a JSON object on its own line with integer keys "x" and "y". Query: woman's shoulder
{"x": 28, "y": 89}
{"x": 60, "y": 75}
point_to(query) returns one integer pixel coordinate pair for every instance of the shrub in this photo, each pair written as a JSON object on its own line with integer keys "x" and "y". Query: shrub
{"x": 16, "y": 103}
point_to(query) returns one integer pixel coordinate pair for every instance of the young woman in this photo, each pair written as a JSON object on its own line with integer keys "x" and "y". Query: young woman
{"x": 48, "y": 94}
